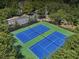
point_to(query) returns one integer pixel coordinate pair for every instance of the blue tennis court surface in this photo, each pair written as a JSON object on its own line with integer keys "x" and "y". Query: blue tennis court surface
{"x": 49, "y": 44}
{"x": 31, "y": 33}
{"x": 40, "y": 29}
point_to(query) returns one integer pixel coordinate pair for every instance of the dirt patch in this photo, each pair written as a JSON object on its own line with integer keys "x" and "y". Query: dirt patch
{"x": 71, "y": 27}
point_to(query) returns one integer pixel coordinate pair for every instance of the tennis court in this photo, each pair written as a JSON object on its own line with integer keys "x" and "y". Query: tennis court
{"x": 31, "y": 33}
{"x": 49, "y": 44}
{"x": 40, "y": 40}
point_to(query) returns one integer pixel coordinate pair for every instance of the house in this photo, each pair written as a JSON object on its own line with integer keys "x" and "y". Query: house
{"x": 22, "y": 20}
{"x": 11, "y": 21}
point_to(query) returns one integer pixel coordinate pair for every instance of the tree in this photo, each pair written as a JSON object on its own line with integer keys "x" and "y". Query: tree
{"x": 7, "y": 51}
{"x": 8, "y": 3}
{"x": 27, "y": 8}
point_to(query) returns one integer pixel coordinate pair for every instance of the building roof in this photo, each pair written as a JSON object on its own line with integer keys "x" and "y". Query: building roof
{"x": 20, "y": 20}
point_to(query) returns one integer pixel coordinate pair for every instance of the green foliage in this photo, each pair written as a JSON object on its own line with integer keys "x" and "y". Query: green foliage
{"x": 8, "y": 3}
{"x": 8, "y": 12}
{"x": 27, "y": 8}
{"x": 7, "y": 50}
{"x": 60, "y": 13}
